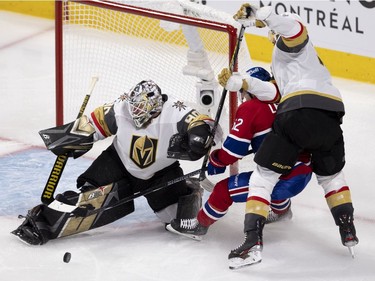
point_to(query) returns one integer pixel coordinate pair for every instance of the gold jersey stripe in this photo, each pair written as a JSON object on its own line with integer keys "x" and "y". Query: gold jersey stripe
{"x": 309, "y": 92}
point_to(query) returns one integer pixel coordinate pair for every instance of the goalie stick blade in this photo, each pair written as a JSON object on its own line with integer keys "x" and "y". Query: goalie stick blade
{"x": 253, "y": 257}
{"x": 191, "y": 236}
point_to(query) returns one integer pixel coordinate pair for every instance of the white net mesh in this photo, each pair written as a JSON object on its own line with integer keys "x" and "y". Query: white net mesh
{"x": 123, "y": 48}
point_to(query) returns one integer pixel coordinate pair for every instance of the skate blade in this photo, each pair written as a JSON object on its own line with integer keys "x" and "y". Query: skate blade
{"x": 254, "y": 257}
{"x": 351, "y": 251}
{"x": 350, "y": 245}
{"x": 191, "y": 236}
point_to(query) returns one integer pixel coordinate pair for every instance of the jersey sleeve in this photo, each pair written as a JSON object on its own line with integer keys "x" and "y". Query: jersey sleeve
{"x": 104, "y": 121}
{"x": 264, "y": 91}
{"x": 293, "y": 32}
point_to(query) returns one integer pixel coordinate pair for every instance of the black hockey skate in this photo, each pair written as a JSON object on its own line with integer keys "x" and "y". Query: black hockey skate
{"x": 29, "y": 232}
{"x": 343, "y": 215}
{"x": 249, "y": 252}
{"x": 347, "y": 232}
{"x": 190, "y": 228}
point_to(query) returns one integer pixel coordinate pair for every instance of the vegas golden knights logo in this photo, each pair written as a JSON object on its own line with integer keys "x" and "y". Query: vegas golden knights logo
{"x": 143, "y": 151}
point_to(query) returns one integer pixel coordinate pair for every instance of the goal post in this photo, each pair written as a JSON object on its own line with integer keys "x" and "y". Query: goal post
{"x": 180, "y": 45}
{"x": 124, "y": 44}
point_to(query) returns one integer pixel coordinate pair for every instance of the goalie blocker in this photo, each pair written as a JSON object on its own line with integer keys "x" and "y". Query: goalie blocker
{"x": 73, "y": 139}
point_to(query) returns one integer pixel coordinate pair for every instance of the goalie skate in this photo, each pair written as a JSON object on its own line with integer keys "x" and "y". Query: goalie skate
{"x": 30, "y": 231}
{"x": 28, "y": 235}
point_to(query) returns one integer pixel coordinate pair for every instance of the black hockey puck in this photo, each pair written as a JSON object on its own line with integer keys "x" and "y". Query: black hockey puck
{"x": 67, "y": 257}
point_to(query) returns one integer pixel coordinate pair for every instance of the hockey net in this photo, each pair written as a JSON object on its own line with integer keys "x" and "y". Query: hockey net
{"x": 125, "y": 42}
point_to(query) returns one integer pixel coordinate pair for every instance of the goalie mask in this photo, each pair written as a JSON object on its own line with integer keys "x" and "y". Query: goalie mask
{"x": 145, "y": 101}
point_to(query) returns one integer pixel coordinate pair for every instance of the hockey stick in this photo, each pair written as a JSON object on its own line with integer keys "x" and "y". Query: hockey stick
{"x": 74, "y": 209}
{"x": 232, "y": 63}
{"x": 59, "y": 165}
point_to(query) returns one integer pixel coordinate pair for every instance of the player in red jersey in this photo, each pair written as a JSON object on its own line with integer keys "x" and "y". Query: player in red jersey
{"x": 253, "y": 122}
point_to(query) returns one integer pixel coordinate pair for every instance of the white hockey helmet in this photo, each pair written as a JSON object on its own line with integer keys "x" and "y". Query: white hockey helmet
{"x": 255, "y": 72}
{"x": 145, "y": 101}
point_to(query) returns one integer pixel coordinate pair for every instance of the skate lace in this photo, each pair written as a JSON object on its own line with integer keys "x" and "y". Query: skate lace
{"x": 346, "y": 223}
{"x": 188, "y": 223}
{"x": 346, "y": 220}
{"x": 242, "y": 244}
{"x": 243, "y": 247}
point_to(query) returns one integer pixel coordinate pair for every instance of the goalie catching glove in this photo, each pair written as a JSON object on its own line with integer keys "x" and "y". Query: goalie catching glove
{"x": 73, "y": 139}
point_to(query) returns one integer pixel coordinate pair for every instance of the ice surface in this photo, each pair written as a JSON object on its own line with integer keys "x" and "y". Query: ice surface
{"x": 137, "y": 247}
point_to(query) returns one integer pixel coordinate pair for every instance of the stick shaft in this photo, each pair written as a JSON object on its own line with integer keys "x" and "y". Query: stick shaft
{"x": 47, "y": 196}
{"x": 135, "y": 195}
{"x": 232, "y": 63}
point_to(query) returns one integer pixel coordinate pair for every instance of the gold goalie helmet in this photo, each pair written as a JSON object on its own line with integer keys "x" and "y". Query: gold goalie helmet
{"x": 145, "y": 101}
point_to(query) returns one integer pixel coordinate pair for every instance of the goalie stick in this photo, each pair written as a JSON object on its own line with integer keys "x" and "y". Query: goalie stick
{"x": 47, "y": 196}
{"x": 74, "y": 209}
{"x": 202, "y": 176}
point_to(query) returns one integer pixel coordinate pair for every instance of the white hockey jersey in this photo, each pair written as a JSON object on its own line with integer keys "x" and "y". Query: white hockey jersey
{"x": 301, "y": 76}
{"x": 143, "y": 151}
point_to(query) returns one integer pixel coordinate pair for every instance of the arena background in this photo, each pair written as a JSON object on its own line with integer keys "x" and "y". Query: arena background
{"x": 341, "y": 31}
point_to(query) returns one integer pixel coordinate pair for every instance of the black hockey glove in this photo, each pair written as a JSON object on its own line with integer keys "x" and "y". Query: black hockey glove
{"x": 178, "y": 147}
{"x": 198, "y": 135}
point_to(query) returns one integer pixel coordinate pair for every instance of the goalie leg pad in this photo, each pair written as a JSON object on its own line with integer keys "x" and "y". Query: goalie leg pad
{"x": 43, "y": 224}
{"x": 95, "y": 198}
{"x": 189, "y": 205}
{"x": 167, "y": 214}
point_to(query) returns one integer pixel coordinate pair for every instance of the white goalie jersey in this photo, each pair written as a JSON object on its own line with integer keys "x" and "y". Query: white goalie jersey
{"x": 144, "y": 151}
